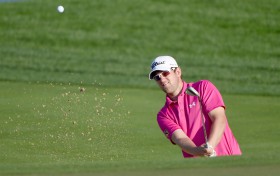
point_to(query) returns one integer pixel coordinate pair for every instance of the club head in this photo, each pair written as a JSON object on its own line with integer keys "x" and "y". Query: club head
{"x": 191, "y": 91}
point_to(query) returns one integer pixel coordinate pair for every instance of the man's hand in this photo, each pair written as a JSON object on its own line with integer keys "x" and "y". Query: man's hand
{"x": 210, "y": 151}
{"x": 187, "y": 145}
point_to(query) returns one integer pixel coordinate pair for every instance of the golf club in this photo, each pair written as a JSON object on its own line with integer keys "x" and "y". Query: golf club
{"x": 191, "y": 91}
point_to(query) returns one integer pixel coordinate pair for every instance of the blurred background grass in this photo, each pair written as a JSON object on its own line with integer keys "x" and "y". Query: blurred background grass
{"x": 235, "y": 44}
{"x": 54, "y": 129}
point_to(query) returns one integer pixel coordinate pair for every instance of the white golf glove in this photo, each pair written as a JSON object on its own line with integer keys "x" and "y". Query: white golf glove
{"x": 214, "y": 154}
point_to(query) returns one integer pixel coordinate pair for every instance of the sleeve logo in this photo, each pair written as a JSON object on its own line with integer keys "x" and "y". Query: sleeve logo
{"x": 166, "y": 133}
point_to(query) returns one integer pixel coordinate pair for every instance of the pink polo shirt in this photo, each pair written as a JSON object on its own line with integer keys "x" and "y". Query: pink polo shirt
{"x": 185, "y": 114}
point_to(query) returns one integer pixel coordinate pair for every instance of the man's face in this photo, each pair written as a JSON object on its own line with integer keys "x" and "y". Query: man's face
{"x": 169, "y": 81}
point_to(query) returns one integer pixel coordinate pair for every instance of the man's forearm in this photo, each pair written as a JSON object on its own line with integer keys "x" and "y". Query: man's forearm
{"x": 186, "y": 144}
{"x": 217, "y": 131}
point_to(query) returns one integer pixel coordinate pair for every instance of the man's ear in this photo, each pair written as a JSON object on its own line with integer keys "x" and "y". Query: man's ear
{"x": 178, "y": 71}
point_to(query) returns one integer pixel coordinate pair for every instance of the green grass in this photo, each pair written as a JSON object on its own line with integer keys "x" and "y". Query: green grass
{"x": 48, "y": 127}
{"x": 233, "y": 43}
{"x": 56, "y": 129}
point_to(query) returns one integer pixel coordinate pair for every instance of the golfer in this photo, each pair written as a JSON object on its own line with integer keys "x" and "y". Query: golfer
{"x": 180, "y": 118}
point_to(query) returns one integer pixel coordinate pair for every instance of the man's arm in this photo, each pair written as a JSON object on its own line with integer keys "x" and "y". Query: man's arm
{"x": 218, "y": 118}
{"x": 187, "y": 145}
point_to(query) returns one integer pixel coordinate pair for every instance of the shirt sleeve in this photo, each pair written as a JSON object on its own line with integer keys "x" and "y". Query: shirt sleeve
{"x": 167, "y": 125}
{"x": 211, "y": 97}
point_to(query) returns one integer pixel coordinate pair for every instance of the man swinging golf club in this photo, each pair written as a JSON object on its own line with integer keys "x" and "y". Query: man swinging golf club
{"x": 193, "y": 116}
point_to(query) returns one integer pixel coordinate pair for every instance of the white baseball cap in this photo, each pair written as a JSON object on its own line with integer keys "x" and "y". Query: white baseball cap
{"x": 162, "y": 63}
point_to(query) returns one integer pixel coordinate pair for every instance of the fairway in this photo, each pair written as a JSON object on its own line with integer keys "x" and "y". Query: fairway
{"x": 75, "y": 98}
{"x": 104, "y": 130}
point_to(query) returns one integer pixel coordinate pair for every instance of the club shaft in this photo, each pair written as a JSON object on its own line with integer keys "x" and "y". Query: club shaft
{"x": 191, "y": 91}
{"x": 203, "y": 123}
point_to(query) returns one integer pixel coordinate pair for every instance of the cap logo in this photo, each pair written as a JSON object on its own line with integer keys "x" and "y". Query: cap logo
{"x": 157, "y": 63}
